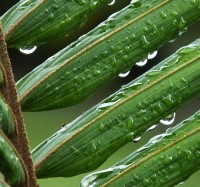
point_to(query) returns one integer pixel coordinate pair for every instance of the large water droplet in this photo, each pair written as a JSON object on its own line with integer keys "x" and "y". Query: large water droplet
{"x": 142, "y": 63}
{"x": 125, "y": 74}
{"x": 28, "y": 51}
{"x": 112, "y": 2}
{"x": 169, "y": 119}
{"x": 152, "y": 55}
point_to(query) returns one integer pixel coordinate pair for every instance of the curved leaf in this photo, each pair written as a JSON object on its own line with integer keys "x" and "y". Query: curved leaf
{"x": 168, "y": 159}
{"x": 10, "y": 164}
{"x": 7, "y": 121}
{"x": 32, "y": 22}
{"x": 74, "y": 73}
{"x": 3, "y": 182}
{"x": 88, "y": 141}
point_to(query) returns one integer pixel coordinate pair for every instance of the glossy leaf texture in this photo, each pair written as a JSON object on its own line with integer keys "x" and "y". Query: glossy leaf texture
{"x": 89, "y": 140}
{"x": 10, "y": 164}
{"x": 33, "y": 22}
{"x": 166, "y": 160}
{"x": 76, "y": 72}
{"x": 7, "y": 121}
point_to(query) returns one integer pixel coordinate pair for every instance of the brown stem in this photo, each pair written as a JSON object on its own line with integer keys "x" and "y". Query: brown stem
{"x": 19, "y": 139}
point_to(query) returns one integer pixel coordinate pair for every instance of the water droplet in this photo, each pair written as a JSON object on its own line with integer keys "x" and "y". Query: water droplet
{"x": 112, "y": 2}
{"x": 152, "y": 127}
{"x": 167, "y": 160}
{"x": 136, "y": 3}
{"x": 163, "y": 15}
{"x": 142, "y": 63}
{"x": 145, "y": 182}
{"x": 28, "y": 50}
{"x": 129, "y": 122}
{"x": 125, "y": 74}
{"x": 180, "y": 183}
{"x": 80, "y": 2}
{"x": 137, "y": 139}
{"x": 169, "y": 119}
{"x": 50, "y": 17}
{"x": 106, "y": 105}
{"x": 101, "y": 126}
{"x": 152, "y": 55}
{"x": 174, "y": 13}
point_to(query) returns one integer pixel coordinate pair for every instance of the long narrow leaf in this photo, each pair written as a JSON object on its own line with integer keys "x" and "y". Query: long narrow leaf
{"x": 74, "y": 73}
{"x": 7, "y": 121}
{"x": 10, "y": 164}
{"x": 32, "y": 22}
{"x": 168, "y": 159}
{"x": 89, "y": 140}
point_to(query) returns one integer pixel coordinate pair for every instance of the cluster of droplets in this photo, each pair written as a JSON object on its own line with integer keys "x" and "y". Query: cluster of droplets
{"x": 144, "y": 62}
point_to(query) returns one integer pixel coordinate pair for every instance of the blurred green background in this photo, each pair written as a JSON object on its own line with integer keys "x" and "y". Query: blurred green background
{"x": 41, "y": 125}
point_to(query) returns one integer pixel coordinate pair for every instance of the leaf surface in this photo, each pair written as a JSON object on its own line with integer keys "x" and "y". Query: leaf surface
{"x": 166, "y": 160}
{"x": 76, "y": 72}
{"x": 7, "y": 121}
{"x": 33, "y": 22}
{"x": 88, "y": 141}
{"x": 10, "y": 164}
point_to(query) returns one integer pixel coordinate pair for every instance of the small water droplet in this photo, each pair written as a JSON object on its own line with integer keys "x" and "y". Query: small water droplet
{"x": 152, "y": 127}
{"x": 28, "y": 50}
{"x": 163, "y": 15}
{"x": 142, "y": 63}
{"x": 137, "y": 139}
{"x": 101, "y": 126}
{"x": 169, "y": 119}
{"x": 152, "y": 55}
{"x": 125, "y": 74}
{"x": 180, "y": 183}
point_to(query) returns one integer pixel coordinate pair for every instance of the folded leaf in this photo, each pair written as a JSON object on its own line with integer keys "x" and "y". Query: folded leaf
{"x": 10, "y": 164}
{"x": 74, "y": 73}
{"x": 7, "y": 122}
{"x": 88, "y": 141}
{"x": 32, "y": 22}
{"x": 168, "y": 159}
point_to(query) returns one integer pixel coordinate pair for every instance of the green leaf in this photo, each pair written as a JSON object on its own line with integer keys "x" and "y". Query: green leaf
{"x": 3, "y": 182}
{"x": 10, "y": 164}
{"x": 88, "y": 141}
{"x": 7, "y": 121}
{"x": 74, "y": 73}
{"x": 33, "y": 22}
{"x": 166, "y": 160}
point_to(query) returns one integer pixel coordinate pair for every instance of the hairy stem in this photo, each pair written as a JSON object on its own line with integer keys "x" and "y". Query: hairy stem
{"x": 19, "y": 138}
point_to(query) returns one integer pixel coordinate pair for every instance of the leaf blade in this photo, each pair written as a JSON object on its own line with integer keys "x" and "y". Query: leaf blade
{"x": 89, "y": 140}
{"x": 7, "y": 121}
{"x": 176, "y": 152}
{"x": 10, "y": 166}
{"x": 71, "y": 75}
{"x": 30, "y": 23}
